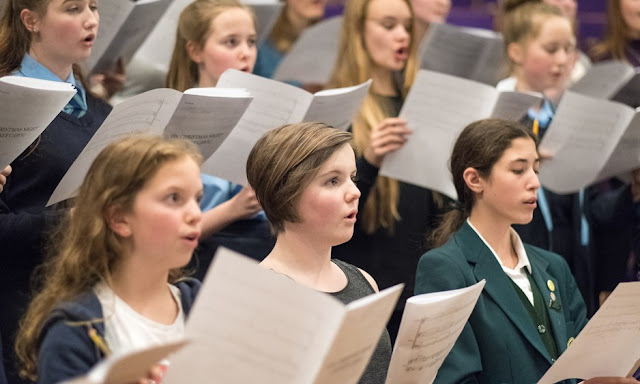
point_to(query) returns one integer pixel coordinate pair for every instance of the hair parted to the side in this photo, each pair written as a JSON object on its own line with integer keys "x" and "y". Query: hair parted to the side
{"x": 84, "y": 250}
{"x": 284, "y": 161}
{"x": 195, "y": 25}
{"x": 354, "y": 66}
{"x": 524, "y": 22}
{"x": 480, "y": 145}
{"x": 616, "y": 35}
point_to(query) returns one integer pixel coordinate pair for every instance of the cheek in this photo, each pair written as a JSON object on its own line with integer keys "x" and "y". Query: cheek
{"x": 217, "y": 60}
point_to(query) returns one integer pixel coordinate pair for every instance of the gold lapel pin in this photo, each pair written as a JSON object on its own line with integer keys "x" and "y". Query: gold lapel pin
{"x": 552, "y": 287}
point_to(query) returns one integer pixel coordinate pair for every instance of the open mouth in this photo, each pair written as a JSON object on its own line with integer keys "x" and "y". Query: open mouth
{"x": 402, "y": 53}
{"x": 90, "y": 38}
{"x": 352, "y": 215}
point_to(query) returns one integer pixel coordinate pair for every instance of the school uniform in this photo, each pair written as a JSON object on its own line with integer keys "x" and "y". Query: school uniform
{"x": 24, "y": 221}
{"x": 67, "y": 351}
{"x": 501, "y": 342}
{"x": 267, "y": 60}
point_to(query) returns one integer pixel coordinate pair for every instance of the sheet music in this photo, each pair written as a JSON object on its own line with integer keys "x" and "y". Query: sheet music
{"x": 130, "y": 35}
{"x": 604, "y": 80}
{"x": 581, "y": 137}
{"x": 112, "y": 17}
{"x": 358, "y": 337}
{"x": 609, "y": 345}
{"x": 626, "y": 155}
{"x": 430, "y": 326}
{"x": 313, "y": 55}
{"x": 192, "y": 119}
{"x": 462, "y": 52}
{"x": 512, "y": 105}
{"x": 274, "y": 104}
{"x": 337, "y": 107}
{"x": 254, "y": 325}
{"x": 129, "y": 367}
{"x": 27, "y": 106}
{"x": 437, "y": 109}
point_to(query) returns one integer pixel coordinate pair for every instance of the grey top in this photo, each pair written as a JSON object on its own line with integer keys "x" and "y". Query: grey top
{"x": 358, "y": 287}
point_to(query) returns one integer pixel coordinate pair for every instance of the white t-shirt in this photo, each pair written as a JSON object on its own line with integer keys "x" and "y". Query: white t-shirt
{"x": 126, "y": 330}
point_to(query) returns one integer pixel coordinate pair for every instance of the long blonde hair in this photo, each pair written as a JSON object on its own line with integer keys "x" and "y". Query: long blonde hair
{"x": 84, "y": 250}
{"x": 195, "y": 25}
{"x": 283, "y": 34}
{"x": 353, "y": 66}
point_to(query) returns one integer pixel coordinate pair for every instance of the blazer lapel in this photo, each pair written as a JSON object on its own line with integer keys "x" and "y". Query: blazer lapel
{"x": 498, "y": 286}
{"x": 545, "y": 282}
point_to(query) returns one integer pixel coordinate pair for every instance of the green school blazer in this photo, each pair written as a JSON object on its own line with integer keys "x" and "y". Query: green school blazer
{"x": 500, "y": 343}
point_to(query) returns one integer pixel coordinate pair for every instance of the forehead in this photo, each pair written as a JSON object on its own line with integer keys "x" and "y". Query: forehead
{"x": 341, "y": 159}
{"x": 388, "y": 8}
{"x": 183, "y": 172}
{"x": 553, "y": 28}
{"x": 522, "y": 148}
{"x": 231, "y": 20}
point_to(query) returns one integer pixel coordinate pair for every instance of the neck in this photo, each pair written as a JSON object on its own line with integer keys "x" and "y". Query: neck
{"x": 497, "y": 233}
{"x": 301, "y": 258}
{"x": 206, "y": 81}
{"x": 298, "y": 22}
{"x": 145, "y": 289}
{"x": 383, "y": 82}
{"x": 61, "y": 70}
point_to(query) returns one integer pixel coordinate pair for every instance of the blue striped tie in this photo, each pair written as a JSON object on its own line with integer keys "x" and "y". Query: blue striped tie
{"x": 76, "y": 106}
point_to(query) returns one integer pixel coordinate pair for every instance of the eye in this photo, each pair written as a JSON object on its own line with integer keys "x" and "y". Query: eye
{"x": 388, "y": 25}
{"x": 73, "y": 9}
{"x": 173, "y": 198}
{"x": 518, "y": 171}
{"x": 199, "y": 198}
{"x": 231, "y": 42}
{"x": 93, "y": 7}
{"x": 252, "y": 41}
{"x": 354, "y": 178}
{"x": 333, "y": 181}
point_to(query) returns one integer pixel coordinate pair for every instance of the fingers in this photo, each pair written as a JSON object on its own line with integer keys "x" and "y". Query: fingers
{"x": 6, "y": 171}
{"x": 3, "y": 177}
{"x": 390, "y": 135}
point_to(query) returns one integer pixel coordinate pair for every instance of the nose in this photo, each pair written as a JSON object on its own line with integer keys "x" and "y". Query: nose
{"x": 353, "y": 193}
{"x": 246, "y": 50}
{"x": 533, "y": 182}
{"x": 193, "y": 214}
{"x": 93, "y": 18}
{"x": 401, "y": 33}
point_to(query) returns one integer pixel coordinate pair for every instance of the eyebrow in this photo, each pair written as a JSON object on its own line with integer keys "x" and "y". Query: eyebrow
{"x": 521, "y": 160}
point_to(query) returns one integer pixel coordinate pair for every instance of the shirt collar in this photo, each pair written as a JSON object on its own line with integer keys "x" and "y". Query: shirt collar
{"x": 30, "y": 67}
{"x": 518, "y": 246}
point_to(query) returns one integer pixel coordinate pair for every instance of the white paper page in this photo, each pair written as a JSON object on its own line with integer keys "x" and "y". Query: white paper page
{"x": 604, "y": 80}
{"x": 487, "y": 70}
{"x": 513, "y": 105}
{"x": 113, "y": 14}
{"x": 358, "y": 337}
{"x": 454, "y": 51}
{"x": 128, "y": 367}
{"x": 609, "y": 345}
{"x": 148, "y": 112}
{"x": 267, "y": 13}
{"x": 430, "y": 326}
{"x": 437, "y": 109}
{"x": 27, "y": 106}
{"x": 313, "y": 55}
{"x": 581, "y": 137}
{"x": 626, "y": 155}
{"x": 253, "y": 325}
{"x": 274, "y": 104}
{"x": 133, "y": 32}
{"x": 158, "y": 47}
{"x": 337, "y": 107}
{"x": 207, "y": 119}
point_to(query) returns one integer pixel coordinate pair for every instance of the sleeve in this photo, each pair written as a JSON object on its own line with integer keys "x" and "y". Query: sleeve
{"x": 66, "y": 352}
{"x": 367, "y": 176}
{"x": 438, "y": 272}
{"x": 577, "y": 309}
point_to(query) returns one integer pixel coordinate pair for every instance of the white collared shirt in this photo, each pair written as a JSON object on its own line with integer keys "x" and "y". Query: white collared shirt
{"x": 516, "y": 274}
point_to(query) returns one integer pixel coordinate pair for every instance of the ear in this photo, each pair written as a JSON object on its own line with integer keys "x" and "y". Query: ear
{"x": 118, "y": 222}
{"x": 30, "y": 20}
{"x": 194, "y": 51}
{"x": 516, "y": 52}
{"x": 473, "y": 180}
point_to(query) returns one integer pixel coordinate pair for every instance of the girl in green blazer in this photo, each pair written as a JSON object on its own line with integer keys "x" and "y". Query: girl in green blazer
{"x": 531, "y": 309}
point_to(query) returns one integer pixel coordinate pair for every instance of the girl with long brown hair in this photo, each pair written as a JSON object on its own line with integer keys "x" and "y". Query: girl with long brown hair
{"x": 113, "y": 282}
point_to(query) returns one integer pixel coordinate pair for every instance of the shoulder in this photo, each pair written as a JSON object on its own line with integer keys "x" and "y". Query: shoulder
{"x": 98, "y": 106}
{"x": 66, "y": 351}
{"x": 351, "y": 271}
{"x": 189, "y": 288}
{"x": 443, "y": 268}
{"x": 556, "y": 262}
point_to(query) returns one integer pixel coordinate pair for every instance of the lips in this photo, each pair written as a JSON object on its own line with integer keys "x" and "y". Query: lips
{"x": 402, "y": 54}
{"x": 89, "y": 39}
{"x": 532, "y": 202}
{"x": 352, "y": 215}
{"x": 192, "y": 238}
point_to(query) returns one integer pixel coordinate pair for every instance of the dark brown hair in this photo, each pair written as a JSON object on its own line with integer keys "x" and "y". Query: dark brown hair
{"x": 480, "y": 145}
